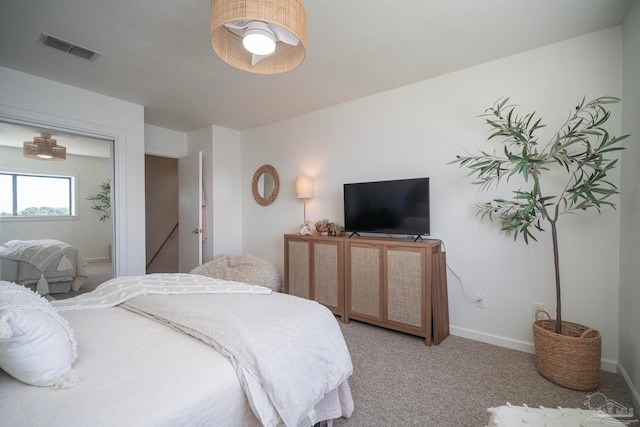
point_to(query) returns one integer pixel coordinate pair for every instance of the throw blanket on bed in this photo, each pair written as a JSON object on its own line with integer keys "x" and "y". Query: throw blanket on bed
{"x": 288, "y": 352}
{"x": 40, "y": 254}
{"x": 116, "y": 291}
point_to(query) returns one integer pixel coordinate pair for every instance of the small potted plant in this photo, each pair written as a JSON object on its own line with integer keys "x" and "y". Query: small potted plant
{"x": 566, "y": 353}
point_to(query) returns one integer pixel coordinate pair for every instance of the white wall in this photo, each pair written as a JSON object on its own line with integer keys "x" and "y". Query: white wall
{"x": 84, "y": 230}
{"x": 202, "y": 140}
{"x": 415, "y": 131}
{"x": 221, "y": 184}
{"x": 27, "y": 98}
{"x": 630, "y": 208}
{"x": 164, "y": 142}
{"x": 226, "y": 185}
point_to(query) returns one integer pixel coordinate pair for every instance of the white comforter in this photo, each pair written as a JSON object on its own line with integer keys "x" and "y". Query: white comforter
{"x": 150, "y": 376}
{"x": 291, "y": 353}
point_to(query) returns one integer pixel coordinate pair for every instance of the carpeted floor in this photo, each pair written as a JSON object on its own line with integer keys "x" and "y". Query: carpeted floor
{"x": 99, "y": 272}
{"x": 399, "y": 381}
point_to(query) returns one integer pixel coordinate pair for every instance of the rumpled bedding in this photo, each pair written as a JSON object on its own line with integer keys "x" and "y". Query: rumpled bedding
{"x": 30, "y": 262}
{"x": 120, "y": 289}
{"x": 292, "y": 352}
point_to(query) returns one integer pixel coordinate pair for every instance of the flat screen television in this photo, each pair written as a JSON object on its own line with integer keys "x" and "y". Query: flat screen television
{"x": 391, "y": 207}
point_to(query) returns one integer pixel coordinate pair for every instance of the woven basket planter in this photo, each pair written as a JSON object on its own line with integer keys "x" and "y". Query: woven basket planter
{"x": 572, "y": 359}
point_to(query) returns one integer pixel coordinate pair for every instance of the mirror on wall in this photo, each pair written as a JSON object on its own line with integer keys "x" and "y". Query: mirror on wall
{"x": 265, "y": 185}
{"x": 66, "y": 198}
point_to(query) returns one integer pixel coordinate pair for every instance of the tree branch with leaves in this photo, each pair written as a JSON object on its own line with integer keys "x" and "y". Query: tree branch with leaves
{"x": 102, "y": 200}
{"x": 579, "y": 148}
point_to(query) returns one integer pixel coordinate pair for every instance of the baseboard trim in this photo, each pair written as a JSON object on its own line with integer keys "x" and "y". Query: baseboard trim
{"x": 605, "y": 364}
{"x": 103, "y": 259}
{"x": 635, "y": 395}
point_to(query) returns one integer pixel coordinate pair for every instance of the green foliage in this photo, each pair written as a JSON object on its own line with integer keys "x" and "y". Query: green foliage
{"x": 43, "y": 210}
{"x": 579, "y": 149}
{"x": 102, "y": 200}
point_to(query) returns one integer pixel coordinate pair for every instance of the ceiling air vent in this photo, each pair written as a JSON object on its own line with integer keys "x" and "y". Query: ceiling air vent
{"x": 65, "y": 46}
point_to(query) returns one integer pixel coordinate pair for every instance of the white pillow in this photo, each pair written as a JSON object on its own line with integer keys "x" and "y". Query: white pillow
{"x": 37, "y": 345}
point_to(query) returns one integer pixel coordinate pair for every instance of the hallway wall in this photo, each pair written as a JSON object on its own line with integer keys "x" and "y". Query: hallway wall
{"x": 161, "y": 216}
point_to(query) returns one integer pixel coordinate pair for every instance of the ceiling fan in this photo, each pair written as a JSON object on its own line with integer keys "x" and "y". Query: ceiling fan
{"x": 245, "y": 32}
{"x": 260, "y": 38}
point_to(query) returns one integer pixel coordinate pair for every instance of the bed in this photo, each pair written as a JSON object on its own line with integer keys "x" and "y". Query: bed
{"x": 47, "y": 265}
{"x": 186, "y": 350}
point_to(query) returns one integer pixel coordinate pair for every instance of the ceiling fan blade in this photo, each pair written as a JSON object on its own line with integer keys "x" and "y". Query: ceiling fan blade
{"x": 257, "y": 58}
{"x": 284, "y": 35}
{"x": 237, "y": 27}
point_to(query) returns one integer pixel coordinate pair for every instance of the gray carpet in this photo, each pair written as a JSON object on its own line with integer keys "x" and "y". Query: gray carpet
{"x": 99, "y": 272}
{"x": 399, "y": 381}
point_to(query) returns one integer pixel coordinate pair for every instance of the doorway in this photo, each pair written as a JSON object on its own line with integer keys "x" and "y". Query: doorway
{"x": 161, "y": 214}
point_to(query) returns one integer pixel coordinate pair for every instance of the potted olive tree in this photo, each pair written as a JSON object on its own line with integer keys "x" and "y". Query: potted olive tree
{"x": 566, "y": 353}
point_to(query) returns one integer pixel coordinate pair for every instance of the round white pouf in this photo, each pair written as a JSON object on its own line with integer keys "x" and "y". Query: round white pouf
{"x": 244, "y": 268}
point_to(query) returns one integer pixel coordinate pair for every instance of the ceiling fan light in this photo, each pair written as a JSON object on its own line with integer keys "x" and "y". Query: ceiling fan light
{"x": 259, "y": 41}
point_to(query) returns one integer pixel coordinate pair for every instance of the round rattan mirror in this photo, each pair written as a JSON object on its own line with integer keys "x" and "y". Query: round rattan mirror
{"x": 265, "y": 185}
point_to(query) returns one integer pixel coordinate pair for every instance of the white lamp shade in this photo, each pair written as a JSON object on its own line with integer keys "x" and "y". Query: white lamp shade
{"x": 304, "y": 187}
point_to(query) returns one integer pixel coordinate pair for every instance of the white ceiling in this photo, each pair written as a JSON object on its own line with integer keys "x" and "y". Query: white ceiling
{"x": 157, "y": 53}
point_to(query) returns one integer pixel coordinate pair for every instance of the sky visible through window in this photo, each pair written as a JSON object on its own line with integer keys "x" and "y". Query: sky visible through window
{"x": 35, "y": 195}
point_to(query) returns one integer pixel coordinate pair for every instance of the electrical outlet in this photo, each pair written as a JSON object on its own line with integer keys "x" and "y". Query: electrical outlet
{"x": 537, "y": 307}
{"x": 481, "y": 301}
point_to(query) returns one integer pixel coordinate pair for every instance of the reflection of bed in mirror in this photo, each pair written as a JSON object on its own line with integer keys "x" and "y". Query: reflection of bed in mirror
{"x": 46, "y": 265}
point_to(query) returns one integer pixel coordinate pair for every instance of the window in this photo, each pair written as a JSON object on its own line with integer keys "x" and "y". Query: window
{"x": 31, "y": 195}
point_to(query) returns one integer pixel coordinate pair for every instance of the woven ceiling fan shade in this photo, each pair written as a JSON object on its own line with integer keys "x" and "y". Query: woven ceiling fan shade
{"x": 44, "y": 149}
{"x": 289, "y": 14}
